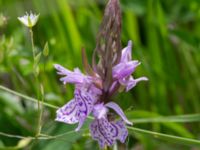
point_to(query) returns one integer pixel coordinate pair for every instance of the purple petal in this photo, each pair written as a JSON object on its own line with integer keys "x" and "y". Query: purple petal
{"x": 68, "y": 113}
{"x": 100, "y": 111}
{"x": 72, "y": 78}
{"x": 132, "y": 82}
{"x": 126, "y": 53}
{"x": 123, "y": 133}
{"x": 77, "y": 70}
{"x": 94, "y": 90}
{"x": 81, "y": 122}
{"x": 77, "y": 109}
{"x": 106, "y": 133}
{"x": 119, "y": 111}
{"x": 85, "y": 103}
{"x": 123, "y": 70}
{"x": 75, "y": 77}
{"x": 61, "y": 70}
{"x": 141, "y": 79}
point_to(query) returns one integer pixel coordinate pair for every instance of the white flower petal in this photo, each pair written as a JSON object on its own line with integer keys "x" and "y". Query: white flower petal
{"x": 29, "y": 20}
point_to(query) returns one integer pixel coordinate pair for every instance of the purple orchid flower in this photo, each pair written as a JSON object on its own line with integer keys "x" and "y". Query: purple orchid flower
{"x": 88, "y": 98}
{"x": 123, "y": 70}
{"x": 107, "y": 132}
{"x": 94, "y": 91}
{"x": 85, "y": 96}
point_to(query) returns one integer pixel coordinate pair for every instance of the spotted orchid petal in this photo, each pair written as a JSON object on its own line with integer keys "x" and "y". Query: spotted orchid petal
{"x": 119, "y": 111}
{"x": 123, "y": 132}
{"x": 106, "y": 133}
{"x": 68, "y": 113}
{"x": 76, "y": 110}
{"x": 85, "y": 103}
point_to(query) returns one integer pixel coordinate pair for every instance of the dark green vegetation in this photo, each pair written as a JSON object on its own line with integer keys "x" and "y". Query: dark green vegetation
{"x": 166, "y": 36}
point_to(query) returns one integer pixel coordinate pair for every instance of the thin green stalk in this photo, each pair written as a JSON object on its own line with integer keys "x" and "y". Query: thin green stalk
{"x": 41, "y": 110}
{"x": 26, "y": 97}
{"x": 105, "y": 148}
{"x": 12, "y": 136}
{"x": 37, "y": 80}
{"x": 40, "y": 137}
{"x": 115, "y": 147}
{"x": 165, "y": 119}
{"x": 166, "y": 137}
{"x": 32, "y": 43}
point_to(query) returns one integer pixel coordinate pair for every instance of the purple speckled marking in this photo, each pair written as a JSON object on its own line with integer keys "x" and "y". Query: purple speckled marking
{"x": 106, "y": 133}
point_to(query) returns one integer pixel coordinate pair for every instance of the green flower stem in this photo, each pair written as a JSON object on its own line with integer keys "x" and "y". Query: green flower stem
{"x": 115, "y": 147}
{"x": 38, "y": 83}
{"x": 32, "y": 43}
{"x": 105, "y": 148}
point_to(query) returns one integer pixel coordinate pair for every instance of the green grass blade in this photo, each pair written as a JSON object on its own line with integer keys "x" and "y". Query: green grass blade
{"x": 178, "y": 118}
{"x": 166, "y": 137}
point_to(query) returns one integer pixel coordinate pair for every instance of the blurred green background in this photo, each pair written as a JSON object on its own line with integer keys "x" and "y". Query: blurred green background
{"x": 166, "y": 37}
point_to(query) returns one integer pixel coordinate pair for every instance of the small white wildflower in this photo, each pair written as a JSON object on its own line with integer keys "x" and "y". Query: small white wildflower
{"x": 29, "y": 20}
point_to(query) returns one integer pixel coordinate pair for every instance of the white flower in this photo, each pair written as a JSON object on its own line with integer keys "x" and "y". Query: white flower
{"x": 29, "y": 20}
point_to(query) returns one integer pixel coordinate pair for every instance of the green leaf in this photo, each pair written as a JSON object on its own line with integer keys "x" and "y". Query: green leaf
{"x": 37, "y": 58}
{"x": 36, "y": 71}
{"x": 21, "y": 144}
{"x": 1, "y": 144}
{"x": 36, "y": 68}
{"x": 46, "y": 49}
{"x": 24, "y": 142}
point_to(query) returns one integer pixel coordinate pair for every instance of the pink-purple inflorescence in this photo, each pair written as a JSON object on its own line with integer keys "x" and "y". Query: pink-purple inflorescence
{"x": 90, "y": 97}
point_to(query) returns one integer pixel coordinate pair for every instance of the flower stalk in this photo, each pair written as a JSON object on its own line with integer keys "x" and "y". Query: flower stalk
{"x": 40, "y": 87}
{"x": 32, "y": 42}
{"x": 30, "y": 20}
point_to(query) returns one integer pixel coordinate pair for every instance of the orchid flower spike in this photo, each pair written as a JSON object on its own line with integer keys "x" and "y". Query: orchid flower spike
{"x": 94, "y": 90}
{"x": 29, "y": 20}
